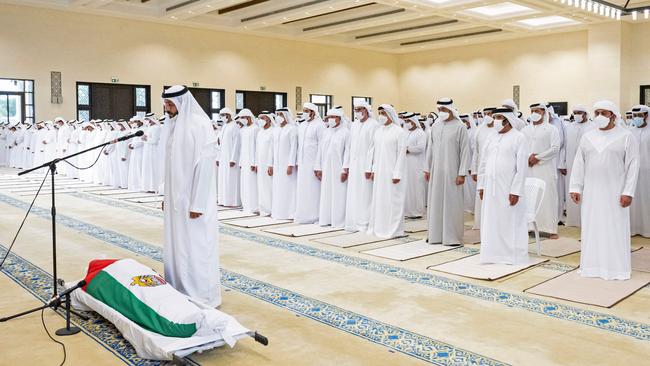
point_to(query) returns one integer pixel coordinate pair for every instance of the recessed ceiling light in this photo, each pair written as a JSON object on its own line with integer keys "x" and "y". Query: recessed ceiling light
{"x": 501, "y": 10}
{"x": 554, "y": 20}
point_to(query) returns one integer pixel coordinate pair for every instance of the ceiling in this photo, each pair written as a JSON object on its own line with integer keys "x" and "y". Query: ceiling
{"x": 393, "y": 26}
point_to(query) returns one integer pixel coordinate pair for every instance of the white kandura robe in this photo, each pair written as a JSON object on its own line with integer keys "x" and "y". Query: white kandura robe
{"x": 3, "y": 146}
{"x": 332, "y": 153}
{"x": 135, "y": 164}
{"x": 263, "y": 160}
{"x": 229, "y": 140}
{"x": 85, "y": 160}
{"x": 27, "y": 148}
{"x": 308, "y": 186}
{"x": 504, "y": 228}
{"x": 478, "y": 143}
{"x": 389, "y": 162}
{"x": 248, "y": 178}
{"x": 544, "y": 142}
{"x": 63, "y": 147}
{"x": 151, "y": 177}
{"x": 359, "y": 193}
{"x": 101, "y": 170}
{"x": 416, "y": 142}
{"x": 191, "y": 246}
{"x": 447, "y": 158}
{"x": 123, "y": 153}
{"x": 572, "y": 135}
{"x": 561, "y": 164}
{"x": 469, "y": 188}
{"x": 285, "y": 148}
{"x": 640, "y": 208}
{"x": 606, "y": 166}
{"x": 112, "y": 160}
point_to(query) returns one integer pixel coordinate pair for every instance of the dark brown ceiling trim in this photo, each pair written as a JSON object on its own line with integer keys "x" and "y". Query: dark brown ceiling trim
{"x": 329, "y": 13}
{"x": 451, "y": 37}
{"x": 423, "y": 26}
{"x": 283, "y": 10}
{"x": 180, "y": 5}
{"x": 391, "y": 12}
{"x": 241, "y": 6}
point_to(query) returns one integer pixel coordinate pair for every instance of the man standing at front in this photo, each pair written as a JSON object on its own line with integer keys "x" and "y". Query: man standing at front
{"x": 310, "y": 134}
{"x": 603, "y": 181}
{"x": 191, "y": 255}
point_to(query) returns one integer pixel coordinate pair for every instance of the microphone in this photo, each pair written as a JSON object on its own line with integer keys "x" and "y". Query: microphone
{"x": 58, "y": 297}
{"x": 127, "y": 137}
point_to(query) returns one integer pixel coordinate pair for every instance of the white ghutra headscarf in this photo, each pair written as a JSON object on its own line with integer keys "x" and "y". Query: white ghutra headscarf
{"x": 192, "y": 138}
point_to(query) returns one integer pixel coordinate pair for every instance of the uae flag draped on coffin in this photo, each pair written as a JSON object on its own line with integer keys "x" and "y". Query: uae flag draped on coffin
{"x": 154, "y": 317}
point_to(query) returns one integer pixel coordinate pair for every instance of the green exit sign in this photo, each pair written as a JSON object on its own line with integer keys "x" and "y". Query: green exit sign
{"x": 115, "y": 80}
{"x": 262, "y": 88}
{"x": 195, "y": 84}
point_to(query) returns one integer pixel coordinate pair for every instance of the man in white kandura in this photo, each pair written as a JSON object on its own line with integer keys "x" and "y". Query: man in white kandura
{"x": 229, "y": 142}
{"x": 359, "y": 194}
{"x": 388, "y": 172}
{"x": 447, "y": 166}
{"x": 544, "y": 144}
{"x": 416, "y": 142}
{"x": 283, "y": 164}
{"x": 263, "y": 160}
{"x": 328, "y": 168}
{"x": 191, "y": 253}
{"x": 640, "y": 208}
{"x": 501, "y": 186}
{"x": 469, "y": 188}
{"x": 248, "y": 177}
{"x": 480, "y": 138}
{"x": 572, "y": 135}
{"x": 603, "y": 181}
{"x": 310, "y": 134}
{"x": 151, "y": 176}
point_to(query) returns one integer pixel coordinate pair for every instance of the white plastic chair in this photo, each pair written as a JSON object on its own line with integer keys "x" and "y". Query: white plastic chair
{"x": 535, "y": 189}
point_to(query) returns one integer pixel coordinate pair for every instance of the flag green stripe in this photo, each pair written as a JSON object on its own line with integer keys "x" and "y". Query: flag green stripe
{"x": 111, "y": 292}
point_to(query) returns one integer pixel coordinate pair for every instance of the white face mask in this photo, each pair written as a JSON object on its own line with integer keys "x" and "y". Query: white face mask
{"x": 500, "y": 124}
{"x": 577, "y": 118}
{"x": 487, "y": 120}
{"x": 535, "y": 117}
{"x": 601, "y": 121}
{"x": 382, "y": 119}
{"x": 358, "y": 116}
{"x": 443, "y": 116}
{"x": 331, "y": 122}
{"x": 261, "y": 122}
{"x": 305, "y": 115}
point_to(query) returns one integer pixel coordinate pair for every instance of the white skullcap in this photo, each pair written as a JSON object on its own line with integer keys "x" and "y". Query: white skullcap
{"x": 580, "y": 108}
{"x": 227, "y": 111}
{"x": 246, "y": 113}
{"x": 608, "y": 106}
{"x": 310, "y": 106}
{"x": 510, "y": 104}
{"x": 336, "y": 112}
{"x": 641, "y": 109}
{"x": 363, "y": 104}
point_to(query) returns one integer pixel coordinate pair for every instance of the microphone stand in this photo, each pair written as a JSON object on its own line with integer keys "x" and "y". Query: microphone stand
{"x": 51, "y": 165}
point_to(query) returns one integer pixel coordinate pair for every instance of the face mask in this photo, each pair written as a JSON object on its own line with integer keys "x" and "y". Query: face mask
{"x": 382, "y": 119}
{"x": 358, "y": 115}
{"x": 306, "y": 116}
{"x": 601, "y": 121}
{"x": 637, "y": 121}
{"x": 535, "y": 117}
{"x": 429, "y": 121}
{"x": 487, "y": 120}
{"x": 500, "y": 124}
{"x": 443, "y": 116}
{"x": 261, "y": 122}
{"x": 331, "y": 122}
{"x": 577, "y": 118}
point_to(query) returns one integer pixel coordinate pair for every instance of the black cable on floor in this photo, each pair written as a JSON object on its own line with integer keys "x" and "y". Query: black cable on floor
{"x": 53, "y": 340}
{"x": 24, "y": 219}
